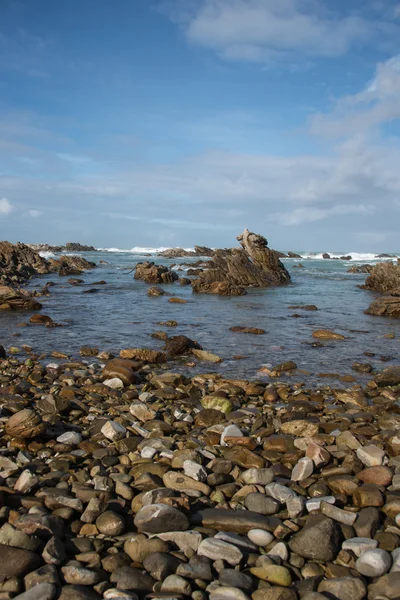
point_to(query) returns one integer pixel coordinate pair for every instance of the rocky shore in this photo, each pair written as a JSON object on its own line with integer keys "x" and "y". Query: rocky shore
{"x": 123, "y": 479}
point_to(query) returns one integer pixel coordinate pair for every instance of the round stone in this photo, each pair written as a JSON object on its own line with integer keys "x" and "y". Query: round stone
{"x": 259, "y": 537}
{"x": 374, "y": 563}
{"x": 109, "y": 523}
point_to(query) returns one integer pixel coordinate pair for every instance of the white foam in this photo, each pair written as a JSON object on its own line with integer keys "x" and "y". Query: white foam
{"x": 355, "y": 256}
{"x": 47, "y": 254}
{"x": 140, "y": 250}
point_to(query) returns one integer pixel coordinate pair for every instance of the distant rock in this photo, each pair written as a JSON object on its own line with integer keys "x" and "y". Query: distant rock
{"x": 360, "y": 269}
{"x": 326, "y": 255}
{"x": 181, "y": 252}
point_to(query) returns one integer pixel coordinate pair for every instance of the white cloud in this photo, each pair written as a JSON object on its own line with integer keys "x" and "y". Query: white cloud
{"x": 311, "y": 214}
{"x": 378, "y": 103}
{"x": 34, "y": 213}
{"x": 5, "y": 206}
{"x": 263, "y": 30}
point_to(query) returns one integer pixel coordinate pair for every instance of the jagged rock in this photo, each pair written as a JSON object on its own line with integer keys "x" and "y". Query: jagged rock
{"x": 232, "y": 270}
{"x": 18, "y": 263}
{"x": 152, "y": 273}
{"x": 384, "y": 277}
{"x": 70, "y": 265}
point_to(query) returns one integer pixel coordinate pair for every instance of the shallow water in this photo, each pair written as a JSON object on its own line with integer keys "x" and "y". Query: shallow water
{"x": 121, "y": 315}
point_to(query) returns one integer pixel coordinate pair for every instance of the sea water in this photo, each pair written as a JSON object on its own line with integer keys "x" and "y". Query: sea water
{"x": 121, "y": 315}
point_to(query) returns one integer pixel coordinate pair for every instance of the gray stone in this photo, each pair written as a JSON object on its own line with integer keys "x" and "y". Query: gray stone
{"x": 280, "y": 492}
{"x": 258, "y": 476}
{"x": 260, "y": 537}
{"x": 228, "y": 593}
{"x": 318, "y": 540}
{"x": 174, "y": 584}
{"x": 344, "y": 588}
{"x": 236, "y": 579}
{"x": 78, "y": 592}
{"x": 265, "y": 505}
{"x": 128, "y": 578}
{"x": 80, "y": 575}
{"x": 16, "y": 562}
{"x": 160, "y": 565}
{"x": 54, "y": 551}
{"x": 358, "y": 545}
{"x": 9, "y": 536}
{"x": 216, "y": 549}
{"x": 303, "y": 469}
{"x": 159, "y": 518}
{"x": 374, "y": 563}
{"x": 42, "y": 591}
{"x": 386, "y": 587}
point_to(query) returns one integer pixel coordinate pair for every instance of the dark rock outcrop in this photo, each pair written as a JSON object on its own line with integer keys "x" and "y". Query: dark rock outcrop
{"x": 253, "y": 265}
{"x": 152, "y": 273}
{"x": 69, "y": 247}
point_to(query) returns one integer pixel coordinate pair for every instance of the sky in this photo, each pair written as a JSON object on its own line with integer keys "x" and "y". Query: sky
{"x": 181, "y": 122}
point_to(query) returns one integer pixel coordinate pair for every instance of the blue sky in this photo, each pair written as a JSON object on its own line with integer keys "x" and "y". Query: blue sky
{"x": 175, "y": 122}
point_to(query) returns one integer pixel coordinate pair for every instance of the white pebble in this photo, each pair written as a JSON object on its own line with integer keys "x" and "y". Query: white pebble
{"x": 259, "y": 537}
{"x": 374, "y": 563}
{"x": 73, "y": 438}
{"x": 113, "y": 431}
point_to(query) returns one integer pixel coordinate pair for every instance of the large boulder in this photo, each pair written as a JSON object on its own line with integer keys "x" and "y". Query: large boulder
{"x": 152, "y": 273}
{"x": 252, "y": 265}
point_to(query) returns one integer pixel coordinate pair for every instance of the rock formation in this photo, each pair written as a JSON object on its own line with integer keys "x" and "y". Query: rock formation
{"x": 384, "y": 277}
{"x": 69, "y": 247}
{"x": 253, "y": 265}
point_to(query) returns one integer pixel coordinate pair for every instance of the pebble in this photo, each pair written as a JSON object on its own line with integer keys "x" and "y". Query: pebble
{"x": 71, "y": 438}
{"x": 113, "y": 431}
{"x": 371, "y": 456}
{"x": 374, "y": 563}
{"x": 303, "y": 469}
{"x": 260, "y": 537}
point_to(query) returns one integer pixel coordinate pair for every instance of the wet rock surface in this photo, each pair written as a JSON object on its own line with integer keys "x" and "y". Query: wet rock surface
{"x": 173, "y": 486}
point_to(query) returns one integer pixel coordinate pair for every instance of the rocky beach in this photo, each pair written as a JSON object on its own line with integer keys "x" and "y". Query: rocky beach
{"x": 147, "y": 471}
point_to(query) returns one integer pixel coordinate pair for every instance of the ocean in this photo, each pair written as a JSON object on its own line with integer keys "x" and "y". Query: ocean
{"x": 121, "y": 315}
